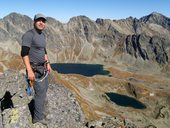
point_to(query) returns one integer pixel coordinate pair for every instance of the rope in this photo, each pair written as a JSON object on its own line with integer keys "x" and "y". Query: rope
{"x": 40, "y": 80}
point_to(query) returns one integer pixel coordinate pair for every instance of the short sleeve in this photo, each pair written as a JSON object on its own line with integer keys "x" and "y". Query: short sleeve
{"x": 27, "y": 39}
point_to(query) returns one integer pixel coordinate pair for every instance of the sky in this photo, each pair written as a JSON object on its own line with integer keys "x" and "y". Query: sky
{"x": 63, "y": 10}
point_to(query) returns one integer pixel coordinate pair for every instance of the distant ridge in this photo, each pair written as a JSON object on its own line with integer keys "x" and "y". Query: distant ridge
{"x": 131, "y": 40}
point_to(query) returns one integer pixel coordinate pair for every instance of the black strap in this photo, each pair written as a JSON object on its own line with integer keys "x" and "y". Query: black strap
{"x": 34, "y": 64}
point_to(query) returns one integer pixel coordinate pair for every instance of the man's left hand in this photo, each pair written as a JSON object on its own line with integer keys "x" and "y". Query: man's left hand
{"x": 49, "y": 68}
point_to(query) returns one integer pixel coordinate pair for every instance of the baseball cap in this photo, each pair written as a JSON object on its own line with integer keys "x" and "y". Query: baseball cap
{"x": 39, "y": 15}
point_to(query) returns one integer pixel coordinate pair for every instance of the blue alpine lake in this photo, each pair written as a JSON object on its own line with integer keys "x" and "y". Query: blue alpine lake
{"x": 125, "y": 101}
{"x": 82, "y": 69}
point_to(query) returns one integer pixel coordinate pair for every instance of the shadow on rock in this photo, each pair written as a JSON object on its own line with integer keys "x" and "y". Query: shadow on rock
{"x": 31, "y": 107}
{"x": 6, "y": 101}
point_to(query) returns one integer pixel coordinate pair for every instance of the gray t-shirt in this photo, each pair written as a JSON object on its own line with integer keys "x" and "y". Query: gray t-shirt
{"x": 37, "y": 43}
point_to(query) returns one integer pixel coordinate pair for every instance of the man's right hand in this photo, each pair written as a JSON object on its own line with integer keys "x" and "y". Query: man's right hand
{"x": 31, "y": 75}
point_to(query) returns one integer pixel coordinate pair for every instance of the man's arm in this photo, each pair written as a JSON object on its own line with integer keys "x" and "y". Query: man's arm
{"x": 30, "y": 72}
{"x": 25, "y": 58}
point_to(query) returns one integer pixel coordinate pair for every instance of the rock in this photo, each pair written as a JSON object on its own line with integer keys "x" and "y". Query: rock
{"x": 110, "y": 122}
{"x": 62, "y": 108}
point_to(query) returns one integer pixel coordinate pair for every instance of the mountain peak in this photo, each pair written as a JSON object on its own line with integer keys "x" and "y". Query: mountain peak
{"x": 17, "y": 18}
{"x": 156, "y": 14}
{"x": 157, "y": 18}
{"x": 13, "y": 15}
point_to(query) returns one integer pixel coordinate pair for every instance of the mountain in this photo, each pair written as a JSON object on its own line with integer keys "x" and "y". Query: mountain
{"x": 133, "y": 53}
{"x": 100, "y": 41}
{"x": 157, "y": 18}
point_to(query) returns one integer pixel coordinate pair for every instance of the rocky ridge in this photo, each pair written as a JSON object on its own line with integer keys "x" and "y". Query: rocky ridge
{"x": 104, "y": 41}
{"x": 16, "y": 106}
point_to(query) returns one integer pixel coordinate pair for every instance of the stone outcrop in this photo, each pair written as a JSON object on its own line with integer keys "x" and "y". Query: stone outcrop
{"x": 16, "y": 106}
{"x": 148, "y": 48}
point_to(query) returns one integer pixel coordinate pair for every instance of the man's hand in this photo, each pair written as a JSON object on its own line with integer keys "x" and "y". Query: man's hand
{"x": 49, "y": 68}
{"x": 31, "y": 75}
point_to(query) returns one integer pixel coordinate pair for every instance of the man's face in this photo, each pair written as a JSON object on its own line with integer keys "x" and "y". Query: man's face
{"x": 40, "y": 24}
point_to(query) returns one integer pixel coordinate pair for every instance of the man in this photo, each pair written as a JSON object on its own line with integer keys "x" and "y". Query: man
{"x": 37, "y": 65}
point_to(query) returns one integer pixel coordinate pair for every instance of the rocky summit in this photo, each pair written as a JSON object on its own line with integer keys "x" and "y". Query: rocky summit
{"x": 106, "y": 73}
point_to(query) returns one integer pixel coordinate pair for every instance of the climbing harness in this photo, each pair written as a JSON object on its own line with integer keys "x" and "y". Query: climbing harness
{"x": 40, "y": 72}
